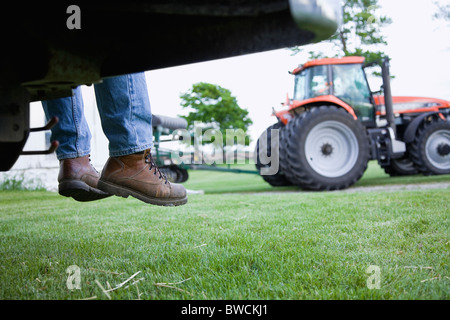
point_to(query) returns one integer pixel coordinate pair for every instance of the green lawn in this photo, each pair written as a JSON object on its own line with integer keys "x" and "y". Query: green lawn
{"x": 220, "y": 182}
{"x": 293, "y": 245}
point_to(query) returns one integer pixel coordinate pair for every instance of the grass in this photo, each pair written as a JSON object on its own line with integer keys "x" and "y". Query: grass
{"x": 220, "y": 182}
{"x": 294, "y": 245}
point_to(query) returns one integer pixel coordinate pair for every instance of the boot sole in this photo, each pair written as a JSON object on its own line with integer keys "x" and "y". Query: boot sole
{"x": 126, "y": 192}
{"x": 80, "y": 191}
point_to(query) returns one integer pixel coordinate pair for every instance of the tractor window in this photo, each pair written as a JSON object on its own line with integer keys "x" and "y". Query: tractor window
{"x": 300, "y": 85}
{"x": 350, "y": 85}
{"x": 318, "y": 82}
{"x": 311, "y": 83}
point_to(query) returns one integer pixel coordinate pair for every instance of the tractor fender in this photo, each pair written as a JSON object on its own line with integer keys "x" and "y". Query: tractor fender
{"x": 410, "y": 132}
{"x": 324, "y": 100}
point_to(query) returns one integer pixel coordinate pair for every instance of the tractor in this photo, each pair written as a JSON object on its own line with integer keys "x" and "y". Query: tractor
{"x": 334, "y": 124}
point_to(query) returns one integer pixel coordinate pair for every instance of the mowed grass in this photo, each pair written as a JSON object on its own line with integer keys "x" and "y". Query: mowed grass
{"x": 220, "y": 182}
{"x": 293, "y": 245}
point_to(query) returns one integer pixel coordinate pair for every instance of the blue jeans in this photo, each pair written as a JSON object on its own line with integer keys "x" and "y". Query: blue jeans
{"x": 125, "y": 114}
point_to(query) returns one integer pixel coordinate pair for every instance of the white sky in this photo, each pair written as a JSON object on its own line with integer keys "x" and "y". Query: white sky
{"x": 418, "y": 45}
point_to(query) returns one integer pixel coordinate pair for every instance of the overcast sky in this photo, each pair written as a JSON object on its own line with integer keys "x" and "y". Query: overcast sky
{"x": 418, "y": 45}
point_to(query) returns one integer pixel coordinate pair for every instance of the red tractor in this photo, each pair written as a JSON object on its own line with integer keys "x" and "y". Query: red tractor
{"x": 334, "y": 125}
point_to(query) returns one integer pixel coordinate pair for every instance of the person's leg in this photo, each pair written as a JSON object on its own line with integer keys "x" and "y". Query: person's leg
{"x": 125, "y": 113}
{"x": 72, "y": 130}
{"x": 77, "y": 177}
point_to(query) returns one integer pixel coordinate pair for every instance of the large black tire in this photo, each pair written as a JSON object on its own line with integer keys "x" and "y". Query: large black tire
{"x": 430, "y": 150}
{"x": 265, "y": 146}
{"x": 401, "y": 167}
{"x": 327, "y": 149}
{"x": 170, "y": 173}
{"x": 283, "y": 154}
{"x": 182, "y": 175}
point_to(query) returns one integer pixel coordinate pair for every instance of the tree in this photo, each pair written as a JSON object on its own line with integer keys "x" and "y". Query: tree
{"x": 360, "y": 32}
{"x": 442, "y": 12}
{"x": 215, "y": 110}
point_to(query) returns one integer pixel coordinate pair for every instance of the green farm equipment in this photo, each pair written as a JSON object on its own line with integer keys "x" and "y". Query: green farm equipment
{"x": 168, "y": 160}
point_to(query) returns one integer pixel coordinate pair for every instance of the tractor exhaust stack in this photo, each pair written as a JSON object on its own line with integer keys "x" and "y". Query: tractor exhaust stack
{"x": 388, "y": 95}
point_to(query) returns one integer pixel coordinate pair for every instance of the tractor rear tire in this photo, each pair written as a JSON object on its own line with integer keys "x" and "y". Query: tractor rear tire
{"x": 327, "y": 149}
{"x": 430, "y": 150}
{"x": 264, "y": 146}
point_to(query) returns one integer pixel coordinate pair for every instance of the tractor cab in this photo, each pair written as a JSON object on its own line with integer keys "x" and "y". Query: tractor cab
{"x": 334, "y": 125}
{"x": 333, "y": 78}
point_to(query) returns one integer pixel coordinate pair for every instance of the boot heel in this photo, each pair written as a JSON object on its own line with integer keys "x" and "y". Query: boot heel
{"x": 80, "y": 191}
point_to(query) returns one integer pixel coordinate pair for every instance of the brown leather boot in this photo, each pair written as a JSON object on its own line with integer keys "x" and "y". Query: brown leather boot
{"x": 78, "y": 179}
{"x": 138, "y": 176}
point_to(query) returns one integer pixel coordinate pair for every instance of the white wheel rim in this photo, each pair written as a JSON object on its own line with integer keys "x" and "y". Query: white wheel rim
{"x": 437, "y": 138}
{"x": 331, "y": 149}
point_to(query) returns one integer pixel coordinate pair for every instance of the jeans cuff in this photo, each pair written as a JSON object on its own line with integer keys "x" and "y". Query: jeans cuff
{"x": 130, "y": 150}
{"x": 73, "y": 155}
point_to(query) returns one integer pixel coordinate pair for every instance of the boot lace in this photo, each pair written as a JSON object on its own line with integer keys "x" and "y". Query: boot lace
{"x": 149, "y": 160}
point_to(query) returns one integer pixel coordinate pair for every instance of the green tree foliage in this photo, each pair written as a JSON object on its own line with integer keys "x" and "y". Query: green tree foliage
{"x": 217, "y": 110}
{"x": 360, "y": 33}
